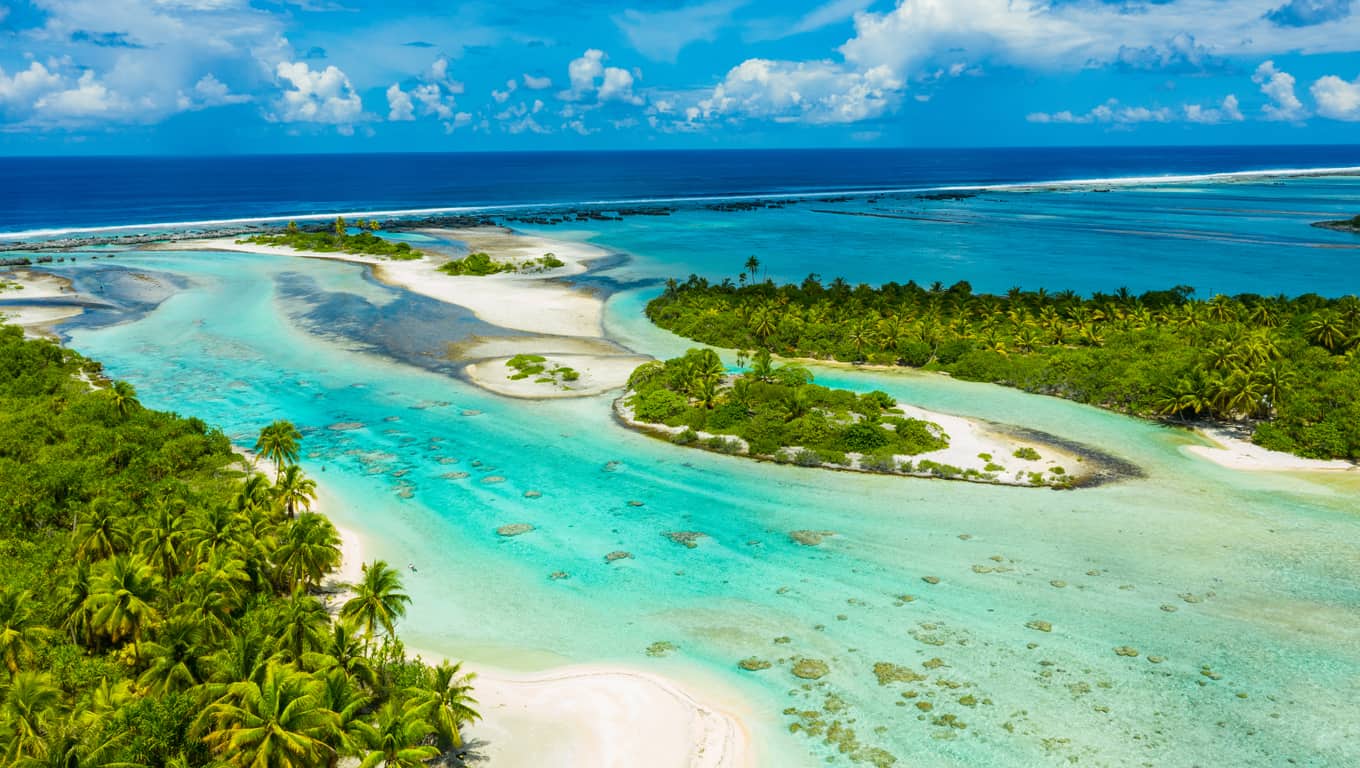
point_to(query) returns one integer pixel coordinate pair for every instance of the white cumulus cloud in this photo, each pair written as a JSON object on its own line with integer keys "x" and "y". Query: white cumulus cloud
{"x": 323, "y": 96}
{"x": 1336, "y": 98}
{"x": 399, "y": 105}
{"x": 534, "y": 83}
{"x": 1111, "y": 112}
{"x": 1229, "y": 111}
{"x": 1278, "y": 86}
{"x": 433, "y": 93}
{"x": 209, "y": 92}
{"x": 816, "y": 92}
{"x": 591, "y": 80}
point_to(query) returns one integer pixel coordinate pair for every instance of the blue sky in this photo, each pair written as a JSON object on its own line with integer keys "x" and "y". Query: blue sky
{"x": 225, "y": 76}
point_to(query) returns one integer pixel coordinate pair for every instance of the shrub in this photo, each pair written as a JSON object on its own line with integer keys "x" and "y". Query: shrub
{"x": 878, "y": 462}
{"x": 685, "y": 437}
{"x": 476, "y": 264}
{"x": 915, "y": 353}
{"x": 834, "y": 457}
{"x": 915, "y": 436}
{"x": 659, "y": 405}
{"x": 882, "y": 400}
{"x": 1027, "y": 453}
{"x": 806, "y": 458}
{"x": 864, "y": 438}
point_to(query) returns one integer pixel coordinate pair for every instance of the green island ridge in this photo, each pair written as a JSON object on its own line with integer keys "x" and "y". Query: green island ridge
{"x": 160, "y": 608}
{"x": 480, "y": 264}
{"x": 337, "y": 239}
{"x": 1287, "y": 368}
{"x": 779, "y": 414}
{"x": 524, "y": 366}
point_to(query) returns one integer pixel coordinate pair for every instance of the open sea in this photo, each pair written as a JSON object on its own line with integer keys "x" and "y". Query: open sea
{"x": 1244, "y": 585}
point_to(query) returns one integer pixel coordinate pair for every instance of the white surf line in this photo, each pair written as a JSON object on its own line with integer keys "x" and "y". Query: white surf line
{"x": 548, "y": 206}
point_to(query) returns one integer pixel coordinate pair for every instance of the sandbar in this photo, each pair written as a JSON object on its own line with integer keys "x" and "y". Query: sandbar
{"x": 535, "y": 303}
{"x": 599, "y": 374}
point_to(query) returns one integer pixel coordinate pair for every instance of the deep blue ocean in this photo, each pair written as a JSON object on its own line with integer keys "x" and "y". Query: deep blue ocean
{"x": 83, "y": 192}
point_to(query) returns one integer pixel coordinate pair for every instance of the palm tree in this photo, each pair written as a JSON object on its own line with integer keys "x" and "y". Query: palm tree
{"x": 175, "y": 664}
{"x": 294, "y": 490}
{"x": 752, "y": 264}
{"x": 245, "y": 657}
{"x": 1276, "y": 380}
{"x": 447, "y": 702}
{"x": 99, "y": 532}
{"x": 79, "y": 621}
{"x": 253, "y": 494}
{"x": 121, "y": 599}
{"x": 342, "y": 695}
{"x": 214, "y": 594}
{"x": 301, "y": 628}
{"x": 861, "y": 335}
{"x": 211, "y": 530}
{"x": 123, "y": 397}
{"x": 276, "y": 723}
{"x": 378, "y": 600}
{"x": 162, "y": 536}
{"x": 705, "y": 390}
{"x": 31, "y": 702}
{"x": 88, "y": 739}
{"x": 307, "y": 551}
{"x": 763, "y": 323}
{"x": 342, "y": 651}
{"x": 396, "y": 739}
{"x": 278, "y": 443}
{"x": 1326, "y": 329}
{"x": 19, "y": 629}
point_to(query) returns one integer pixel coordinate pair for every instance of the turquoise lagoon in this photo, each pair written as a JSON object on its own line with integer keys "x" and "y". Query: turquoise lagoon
{"x": 1243, "y": 584}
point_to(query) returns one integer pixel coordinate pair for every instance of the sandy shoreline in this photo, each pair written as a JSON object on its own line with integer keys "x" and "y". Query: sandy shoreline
{"x": 568, "y": 321}
{"x": 969, "y": 442}
{"x": 599, "y": 374}
{"x": 36, "y": 319}
{"x": 1235, "y": 452}
{"x": 592, "y": 716}
{"x": 533, "y": 303}
{"x": 601, "y": 717}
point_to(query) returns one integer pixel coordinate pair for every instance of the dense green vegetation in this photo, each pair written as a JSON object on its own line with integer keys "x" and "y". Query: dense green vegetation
{"x": 525, "y": 366}
{"x": 479, "y": 264}
{"x": 158, "y": 608}
{"x": 338, "y": 239}
{"x": 1288, "y": 367}
{"x": 778, "y": 412}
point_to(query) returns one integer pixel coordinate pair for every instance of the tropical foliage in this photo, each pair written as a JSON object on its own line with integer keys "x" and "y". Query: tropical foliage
{"x": 1286, "y": 366}
{"x": 777, "y": 412}
{"x": 480, "y": 264}
{"x": 159, "y": 607}
{"x": 337, "y": 238}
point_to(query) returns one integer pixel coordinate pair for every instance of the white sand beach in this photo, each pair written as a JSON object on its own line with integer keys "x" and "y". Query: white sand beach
{"x": 534, "y": 302}
{"x": 599, "y": 374}
{"x": 593, "y": 716}
{"x": 1235, "y": 452}
{"x": 37, "y": 319}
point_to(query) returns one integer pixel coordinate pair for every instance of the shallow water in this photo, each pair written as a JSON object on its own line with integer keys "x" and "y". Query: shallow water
{"x": 1259, "y": 568}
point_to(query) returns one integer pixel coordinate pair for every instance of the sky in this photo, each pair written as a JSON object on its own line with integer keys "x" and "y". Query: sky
{"x": 247, "y": 76}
